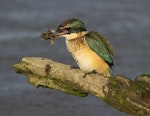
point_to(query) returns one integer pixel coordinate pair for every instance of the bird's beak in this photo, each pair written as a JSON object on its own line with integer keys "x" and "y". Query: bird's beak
{"x": 54, "y": 33}
{"x": 60, "y": 32}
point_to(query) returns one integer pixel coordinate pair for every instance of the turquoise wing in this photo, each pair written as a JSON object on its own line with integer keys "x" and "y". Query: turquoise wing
{"x": 100, "y": 46}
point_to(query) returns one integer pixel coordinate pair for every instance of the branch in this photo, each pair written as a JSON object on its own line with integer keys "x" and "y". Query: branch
{"x": 129, "y": 96}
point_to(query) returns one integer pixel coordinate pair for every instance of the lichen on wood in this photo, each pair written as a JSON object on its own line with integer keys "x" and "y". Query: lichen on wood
{"x": 129, "y": 96}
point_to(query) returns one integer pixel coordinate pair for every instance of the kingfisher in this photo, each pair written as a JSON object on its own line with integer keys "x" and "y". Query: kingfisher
{"x": 91, "y": 51}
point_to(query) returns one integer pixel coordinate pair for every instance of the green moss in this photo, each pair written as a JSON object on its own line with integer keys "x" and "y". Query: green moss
{"x": 112, "y": 84}
{"x": 143, "y": 80}
{"x": 119, "y": 92}
{"x": 70, "y": 89}
{"x": 21, "y": 67}
{"x": 143, "y": 75}
{"x": 148, "y": 92}
{"x": 16, "y": 68}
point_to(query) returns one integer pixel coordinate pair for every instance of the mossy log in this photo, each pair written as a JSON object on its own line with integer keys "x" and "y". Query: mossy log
{"x": 128, "y": 96}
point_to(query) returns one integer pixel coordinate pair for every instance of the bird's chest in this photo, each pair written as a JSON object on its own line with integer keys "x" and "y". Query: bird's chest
{"x": 83, "y": 55}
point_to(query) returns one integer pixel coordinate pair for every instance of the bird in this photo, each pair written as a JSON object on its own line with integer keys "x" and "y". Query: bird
{"x": 91, "y": 51}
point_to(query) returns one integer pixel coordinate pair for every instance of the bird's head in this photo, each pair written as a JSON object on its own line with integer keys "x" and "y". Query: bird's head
{"x": 69, "y": 28}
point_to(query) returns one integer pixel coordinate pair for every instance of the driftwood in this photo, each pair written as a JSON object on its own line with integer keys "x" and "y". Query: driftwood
{"x": 128, "y": 96}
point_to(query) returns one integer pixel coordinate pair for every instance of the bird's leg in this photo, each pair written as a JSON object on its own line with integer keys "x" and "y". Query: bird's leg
{"x": 87, "y": 73}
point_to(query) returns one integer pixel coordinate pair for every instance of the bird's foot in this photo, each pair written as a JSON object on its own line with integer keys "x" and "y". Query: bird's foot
{"x": 87, "y": 73}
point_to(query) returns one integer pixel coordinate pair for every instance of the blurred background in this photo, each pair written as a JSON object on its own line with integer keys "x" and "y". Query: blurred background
{"x": 125, "y": 23}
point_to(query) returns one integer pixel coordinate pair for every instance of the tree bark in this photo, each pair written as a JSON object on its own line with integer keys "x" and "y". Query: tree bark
{"x": 128, "y": 96}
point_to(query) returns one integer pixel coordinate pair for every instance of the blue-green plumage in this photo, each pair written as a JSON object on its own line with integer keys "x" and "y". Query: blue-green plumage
{"x": 100, "y": 46}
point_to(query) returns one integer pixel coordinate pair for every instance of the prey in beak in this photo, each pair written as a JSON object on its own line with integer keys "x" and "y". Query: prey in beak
{"x": 53, "y": 34}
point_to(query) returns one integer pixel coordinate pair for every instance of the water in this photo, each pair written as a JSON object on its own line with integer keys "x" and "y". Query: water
{"x": 125, "y": 23}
